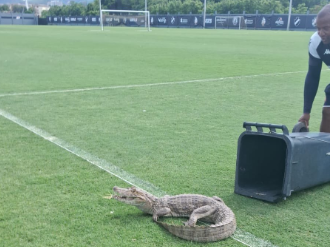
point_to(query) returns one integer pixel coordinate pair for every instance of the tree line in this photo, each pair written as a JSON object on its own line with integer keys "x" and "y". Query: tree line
{"x": 184, "y": 7}
{"x": 17, "y": 9}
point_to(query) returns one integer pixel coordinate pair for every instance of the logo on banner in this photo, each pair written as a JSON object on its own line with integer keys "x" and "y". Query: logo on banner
{"x": 279, "y": 22}
{"x": 49, "y": 19}
{"x": 235, "y": 21}
{"x": 314, "y": 22}
{"x": 172, "y": 20}
{"x": 67, "y": 19}
{"x": 263, "y": 21}
{"x": 184, "y": 20}
{"x": 162, "y": 20}
{"x": 208, "y": 21}
{"x": 86, "y": 19}
{"x": 152, "y": 20}
{"x": 248, "y": 21}
{"x": 196, "y": 21}
{"x": 327, "y": 52}
{"x": 61, "y": 19}
{"x": 297, "y": 21}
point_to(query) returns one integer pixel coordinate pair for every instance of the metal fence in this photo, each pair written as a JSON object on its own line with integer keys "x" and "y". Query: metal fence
{"x": 254, "y": 21}
{"x": 251, "y": 21}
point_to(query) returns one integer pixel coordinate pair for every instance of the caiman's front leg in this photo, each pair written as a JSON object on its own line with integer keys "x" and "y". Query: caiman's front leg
{"x": 200, "y": 213}
{"x": 161, "y": 212}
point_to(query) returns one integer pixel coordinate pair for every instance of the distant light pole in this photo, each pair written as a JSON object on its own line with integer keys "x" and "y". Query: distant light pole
{"x": 145, "y": 14}
{"x": 289, "y": 17}
{"x": 101, "y": 21}
{"x": 204, "y": 11}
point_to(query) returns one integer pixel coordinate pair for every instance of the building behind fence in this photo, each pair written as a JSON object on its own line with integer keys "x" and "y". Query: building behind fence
{"x": 18, "y": 19}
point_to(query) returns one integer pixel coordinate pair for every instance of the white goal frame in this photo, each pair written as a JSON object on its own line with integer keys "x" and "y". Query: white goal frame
{"x": 240, "y": 18}
{"x": 147, "y": 13}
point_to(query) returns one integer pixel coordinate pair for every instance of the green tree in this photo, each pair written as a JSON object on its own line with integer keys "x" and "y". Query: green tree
{"x": 31, "y": 10}
{"x": 4, "y": 8}
{"x": 188, "y": 6}
{"x": 53, "y": 11}
{"x": 92, "y": 9}
{"x": 250, "y": 6}
{"x": 76, "y": 9}
{"x": 138, "y": 4}
{"x": 210, "y": 8}
{"x": 174, "y": 6}
{"x": 233, "y": 6}
{"x": 300, "y": 9}
{"x": 17, "y": 8}
{"x": 192, "y": 6}
{"x": 268, "y": 6}
{"x": 160, "y": 8}
{"x": 317, "y": 7}
{"x": 45, "y": 13}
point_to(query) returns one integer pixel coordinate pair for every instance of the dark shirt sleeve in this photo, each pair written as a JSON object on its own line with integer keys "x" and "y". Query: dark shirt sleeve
{"x": 311, "y": 82}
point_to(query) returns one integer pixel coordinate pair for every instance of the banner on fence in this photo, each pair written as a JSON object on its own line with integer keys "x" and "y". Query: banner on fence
{"x": 252, "y": 21}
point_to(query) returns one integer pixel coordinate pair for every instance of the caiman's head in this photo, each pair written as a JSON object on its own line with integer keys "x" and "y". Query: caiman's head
{"x": 136, "y": 197}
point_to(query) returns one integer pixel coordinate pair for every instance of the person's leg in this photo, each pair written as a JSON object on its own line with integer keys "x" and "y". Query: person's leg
{"x": 325, "y": 123}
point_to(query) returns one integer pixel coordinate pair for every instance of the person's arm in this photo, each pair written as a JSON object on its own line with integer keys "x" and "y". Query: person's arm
{"x": 311, "y": 85}
{"x": 311, "y": 82}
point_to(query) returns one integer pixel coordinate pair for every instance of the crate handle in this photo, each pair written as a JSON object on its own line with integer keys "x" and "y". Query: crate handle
{"x": 259, "y": 126}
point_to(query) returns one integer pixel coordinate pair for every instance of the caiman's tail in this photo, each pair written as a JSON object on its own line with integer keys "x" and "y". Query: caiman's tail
{"x": 209, "y": 233}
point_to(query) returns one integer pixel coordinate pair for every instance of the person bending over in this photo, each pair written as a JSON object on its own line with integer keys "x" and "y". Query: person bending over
{"x": 319, "y": 51}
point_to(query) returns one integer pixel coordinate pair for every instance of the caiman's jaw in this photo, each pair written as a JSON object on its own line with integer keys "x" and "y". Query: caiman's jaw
{"x": 132, "y": 196}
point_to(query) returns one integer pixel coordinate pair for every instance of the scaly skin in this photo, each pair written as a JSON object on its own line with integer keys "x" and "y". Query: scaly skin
{"x": 210, "y": 209}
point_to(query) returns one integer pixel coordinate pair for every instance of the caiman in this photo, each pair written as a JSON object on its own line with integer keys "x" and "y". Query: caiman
{"x": 210, "y": 209}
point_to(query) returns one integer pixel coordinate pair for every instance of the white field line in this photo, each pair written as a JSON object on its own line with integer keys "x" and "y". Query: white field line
{"x": 108, "y": 167}
{"x": 240, "y": 236}
{"x": 250, "y": 240}
{"x": 146, "y": 85}
{"x": 95, "y": 30}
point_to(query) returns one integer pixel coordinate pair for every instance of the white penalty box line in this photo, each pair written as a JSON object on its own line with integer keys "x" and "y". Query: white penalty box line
{"x": 241, "y": 236}
{"x": 147, "y": 85}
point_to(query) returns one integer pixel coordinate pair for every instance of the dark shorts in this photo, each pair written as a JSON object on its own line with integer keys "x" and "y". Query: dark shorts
{"x": 327, "y": 96}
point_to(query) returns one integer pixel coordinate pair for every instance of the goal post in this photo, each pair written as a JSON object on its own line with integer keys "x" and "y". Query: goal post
{"x": 229, "y": 22}
{"x": 111, "y": 18}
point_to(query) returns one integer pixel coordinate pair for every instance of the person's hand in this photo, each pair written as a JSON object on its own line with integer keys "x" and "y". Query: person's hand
{"x": 305, "y": 119}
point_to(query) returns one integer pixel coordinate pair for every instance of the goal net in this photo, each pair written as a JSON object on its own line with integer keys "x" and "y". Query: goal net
{"x": 129, "y": 18}
{"x": 233, "y": 22}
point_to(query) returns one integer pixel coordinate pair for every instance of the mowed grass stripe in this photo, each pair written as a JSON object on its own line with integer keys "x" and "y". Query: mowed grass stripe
{"x": 49, "y": 58}
{"x": 146, "y": 85}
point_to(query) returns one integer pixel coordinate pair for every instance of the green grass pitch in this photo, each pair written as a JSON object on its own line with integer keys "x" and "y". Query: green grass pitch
{"x": 154, "y": 111}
